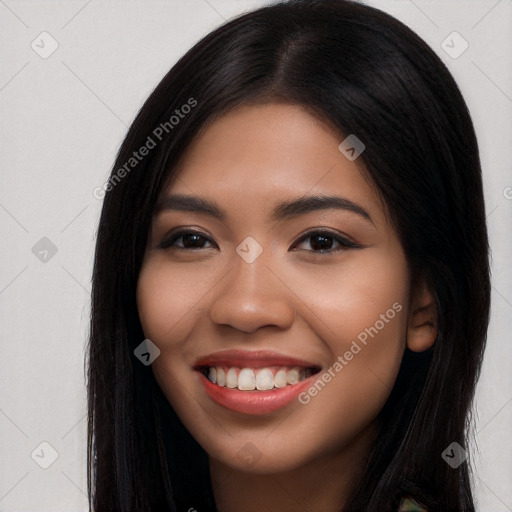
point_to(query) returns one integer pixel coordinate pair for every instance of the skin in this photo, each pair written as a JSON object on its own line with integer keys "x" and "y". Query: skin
{"x": 292, "y": 299}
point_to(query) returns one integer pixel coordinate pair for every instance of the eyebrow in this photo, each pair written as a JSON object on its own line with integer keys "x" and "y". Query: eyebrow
{"x": 281, "y": 211}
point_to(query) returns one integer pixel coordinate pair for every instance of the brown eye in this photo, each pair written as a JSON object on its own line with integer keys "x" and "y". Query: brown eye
{"x": 190, "y": 240}
{"x": 324, "y": 241}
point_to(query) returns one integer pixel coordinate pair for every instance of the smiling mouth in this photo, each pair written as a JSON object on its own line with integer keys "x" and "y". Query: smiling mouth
{"x": 256, "y": 379}
{"x": 254, "y": 382}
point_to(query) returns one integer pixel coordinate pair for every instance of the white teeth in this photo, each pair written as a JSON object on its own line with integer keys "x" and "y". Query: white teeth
{"x": 263, "y": 379}
{"x": 231, "y": 380}
{"x": 246, "y": 380}
{"x": 280, "y": 379}
{"x": 293, "y": 376}
{"x": 212, "y": 374}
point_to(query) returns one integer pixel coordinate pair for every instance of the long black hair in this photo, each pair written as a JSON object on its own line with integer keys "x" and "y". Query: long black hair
{"x": 365, "y": 73}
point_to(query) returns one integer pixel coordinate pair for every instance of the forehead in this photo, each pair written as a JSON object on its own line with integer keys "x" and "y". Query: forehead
{"x": 262, "y": 153}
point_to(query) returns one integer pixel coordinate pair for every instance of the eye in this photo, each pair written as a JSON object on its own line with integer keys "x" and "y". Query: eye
{"x": 190, "y": 240}
{"x": 322, "y": 241}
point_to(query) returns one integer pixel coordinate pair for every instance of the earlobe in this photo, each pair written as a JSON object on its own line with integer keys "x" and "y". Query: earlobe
{"x": 422, "y": 323}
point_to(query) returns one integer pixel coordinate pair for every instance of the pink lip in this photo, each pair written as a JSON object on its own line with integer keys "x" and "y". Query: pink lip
{"x": 252, "y": 402}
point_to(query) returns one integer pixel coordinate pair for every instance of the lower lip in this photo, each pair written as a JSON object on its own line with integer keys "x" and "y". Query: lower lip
{"x": 253, "y": 402}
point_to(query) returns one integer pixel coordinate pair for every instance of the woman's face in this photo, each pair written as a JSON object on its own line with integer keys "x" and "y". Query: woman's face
{"x": 303, "y": 298}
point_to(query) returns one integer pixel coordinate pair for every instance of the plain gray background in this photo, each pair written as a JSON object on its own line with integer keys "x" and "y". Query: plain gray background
{"x": 63, "y": 116}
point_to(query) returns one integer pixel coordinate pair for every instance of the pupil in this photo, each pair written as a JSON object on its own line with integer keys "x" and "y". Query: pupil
{"x": 195, "y": 243}
{"x": 321, "y": 245}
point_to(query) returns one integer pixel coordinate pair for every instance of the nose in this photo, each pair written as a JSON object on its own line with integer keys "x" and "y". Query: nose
{"x": 251, "y": 296}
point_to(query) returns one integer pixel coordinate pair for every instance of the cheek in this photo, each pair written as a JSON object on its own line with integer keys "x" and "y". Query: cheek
{"x": 362, "y": 292}
{"x": 168, "y": 299}
{"x": 360, "y": 313}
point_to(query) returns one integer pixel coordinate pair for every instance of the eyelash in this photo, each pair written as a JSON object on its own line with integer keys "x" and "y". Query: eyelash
{"x": 167, "y": 243}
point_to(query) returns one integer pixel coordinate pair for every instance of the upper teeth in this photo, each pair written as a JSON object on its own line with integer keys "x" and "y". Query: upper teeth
{"x": 247, "y": 379}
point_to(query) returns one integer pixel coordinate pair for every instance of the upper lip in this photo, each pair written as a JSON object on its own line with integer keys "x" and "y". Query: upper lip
{"x": 252, "y": 359}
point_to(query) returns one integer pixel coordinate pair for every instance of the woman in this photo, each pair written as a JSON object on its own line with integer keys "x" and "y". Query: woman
{"x": 291, "y": 278}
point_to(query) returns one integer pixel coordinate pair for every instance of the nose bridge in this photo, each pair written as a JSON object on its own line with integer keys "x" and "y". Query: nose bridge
{"x": 251, "y": 268}
{"x": 252, "y": 295}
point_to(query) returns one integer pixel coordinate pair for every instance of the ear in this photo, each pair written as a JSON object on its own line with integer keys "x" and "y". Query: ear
{"x": 422, "y": 322}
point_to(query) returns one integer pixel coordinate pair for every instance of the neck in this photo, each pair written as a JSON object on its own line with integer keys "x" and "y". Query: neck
{"x": 323, "y": 484}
